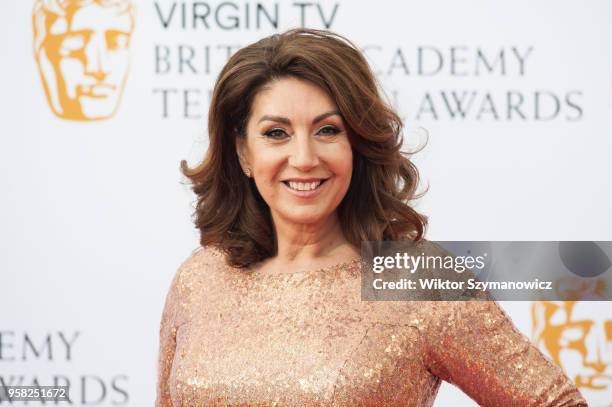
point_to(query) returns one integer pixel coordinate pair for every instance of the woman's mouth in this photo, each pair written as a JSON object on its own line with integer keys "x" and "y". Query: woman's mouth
{"x": 305, "y": 188}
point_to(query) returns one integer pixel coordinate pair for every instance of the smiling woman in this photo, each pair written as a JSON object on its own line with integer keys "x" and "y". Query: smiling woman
{"x": 296, "y": 111}
{"x": 301, "y": 159}
{"x": 304, "y": 163}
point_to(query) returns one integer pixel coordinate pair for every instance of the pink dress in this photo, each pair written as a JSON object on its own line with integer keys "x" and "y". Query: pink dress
{"x": 305, "y": 338}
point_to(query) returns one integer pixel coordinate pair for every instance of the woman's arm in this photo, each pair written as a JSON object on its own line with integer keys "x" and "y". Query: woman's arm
{"x": 167, "y": 340}
{"x": 474, "y": 345}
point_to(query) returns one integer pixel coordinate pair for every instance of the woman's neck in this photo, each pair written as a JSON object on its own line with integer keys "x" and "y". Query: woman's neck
{"x": 302, "y": 243}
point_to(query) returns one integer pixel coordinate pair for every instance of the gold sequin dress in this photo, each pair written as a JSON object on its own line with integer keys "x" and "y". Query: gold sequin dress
{"x": 305, "y": 338}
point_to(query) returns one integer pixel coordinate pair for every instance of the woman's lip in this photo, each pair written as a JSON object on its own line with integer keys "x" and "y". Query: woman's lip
{"x": 306, "y": 194}
{"x": 305, "y": 180}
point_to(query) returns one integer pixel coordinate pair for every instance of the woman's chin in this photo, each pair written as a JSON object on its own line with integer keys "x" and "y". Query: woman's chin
{"x": 305, "y": 216}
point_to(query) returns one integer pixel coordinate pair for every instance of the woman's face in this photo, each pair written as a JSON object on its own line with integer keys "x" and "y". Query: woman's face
{"x": 297, "y": 150}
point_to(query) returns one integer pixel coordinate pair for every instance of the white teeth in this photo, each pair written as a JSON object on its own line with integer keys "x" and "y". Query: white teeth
{"x": 304, "y": 186}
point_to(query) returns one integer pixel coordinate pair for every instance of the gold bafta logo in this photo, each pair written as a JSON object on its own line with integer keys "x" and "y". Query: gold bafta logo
{"x": 82, "y": 51}
{"x": 579, "y": 341}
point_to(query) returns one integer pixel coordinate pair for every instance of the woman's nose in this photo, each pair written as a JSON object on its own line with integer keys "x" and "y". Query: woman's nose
{"x": 303, "y": 156}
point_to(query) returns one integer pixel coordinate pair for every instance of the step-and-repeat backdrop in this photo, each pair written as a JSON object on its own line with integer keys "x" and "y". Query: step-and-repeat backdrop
{"x": 101, "y": 99}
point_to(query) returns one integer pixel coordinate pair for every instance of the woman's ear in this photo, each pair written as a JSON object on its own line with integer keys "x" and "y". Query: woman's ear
{"x": 243, "y": 154}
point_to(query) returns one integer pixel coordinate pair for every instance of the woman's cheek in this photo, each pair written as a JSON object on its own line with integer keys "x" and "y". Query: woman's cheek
{"x": 269, "y": 176}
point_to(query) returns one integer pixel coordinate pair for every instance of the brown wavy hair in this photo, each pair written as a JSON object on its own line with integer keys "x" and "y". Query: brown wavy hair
{"x": 231, "y": 214}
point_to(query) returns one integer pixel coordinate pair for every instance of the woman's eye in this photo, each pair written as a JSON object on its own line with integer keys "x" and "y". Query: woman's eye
{"x": 279, "y": 134}
{"x": 276, "y": 134}
{"x": 329, "y": 131}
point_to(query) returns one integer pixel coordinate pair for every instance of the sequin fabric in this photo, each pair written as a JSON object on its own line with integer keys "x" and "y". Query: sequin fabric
{"x": 230, "y": 337}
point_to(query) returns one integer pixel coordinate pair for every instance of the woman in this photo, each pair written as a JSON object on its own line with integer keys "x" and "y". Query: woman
{"x": 304, "y": 163}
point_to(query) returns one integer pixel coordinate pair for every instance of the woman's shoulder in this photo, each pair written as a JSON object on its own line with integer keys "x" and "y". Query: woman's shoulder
{"x": 204, "y": 256}
{"x": 424, "y": 246}
{"x": 202, "y": 263}
{"x": 434, "y": 308}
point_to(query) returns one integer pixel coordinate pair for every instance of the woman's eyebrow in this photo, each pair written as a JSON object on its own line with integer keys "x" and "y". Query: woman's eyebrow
{"x": 284, "y": 120}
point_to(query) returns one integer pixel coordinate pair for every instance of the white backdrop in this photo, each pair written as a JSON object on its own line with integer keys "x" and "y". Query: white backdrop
{"x": 96, "y": 219}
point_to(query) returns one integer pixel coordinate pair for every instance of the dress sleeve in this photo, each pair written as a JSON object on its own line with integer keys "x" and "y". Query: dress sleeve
{"x": 475, "y": 346}
{"x": 167, "y": 338}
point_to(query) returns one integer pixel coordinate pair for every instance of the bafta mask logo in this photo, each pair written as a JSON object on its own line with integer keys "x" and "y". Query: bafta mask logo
{"x": 579, "y": 341}
{"x": 82, "y": 51}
